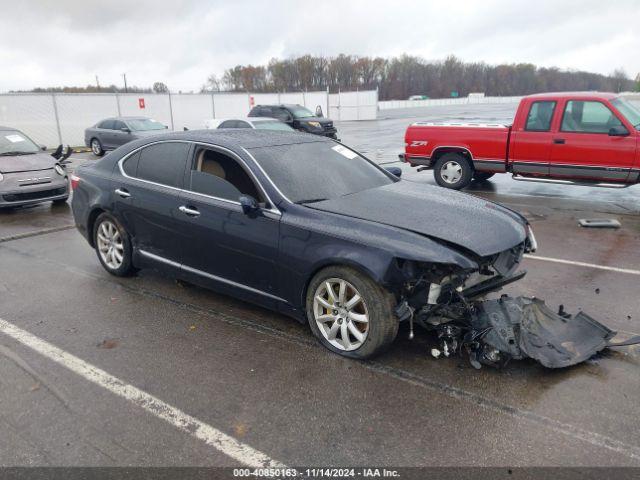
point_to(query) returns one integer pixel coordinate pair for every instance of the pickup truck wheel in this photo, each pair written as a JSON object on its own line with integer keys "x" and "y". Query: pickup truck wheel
{"x": 453, "y": 170}
{"x": 350, "y": 313}
{"x": 482, "y": 176}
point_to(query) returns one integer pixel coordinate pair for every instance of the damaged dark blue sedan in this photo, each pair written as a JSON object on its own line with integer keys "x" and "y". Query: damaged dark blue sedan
{"x": 309, "y": 227}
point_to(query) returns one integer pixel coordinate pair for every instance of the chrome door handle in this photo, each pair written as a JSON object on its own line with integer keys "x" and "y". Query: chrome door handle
{"x": 192, "y": 212}
{"x": 122, "y": 192}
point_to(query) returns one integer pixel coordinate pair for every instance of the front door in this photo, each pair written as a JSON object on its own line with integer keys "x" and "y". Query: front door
{"x": 222, "y": 246}
{"x": 583, "y": 148}
{"x": 532, "y": 143}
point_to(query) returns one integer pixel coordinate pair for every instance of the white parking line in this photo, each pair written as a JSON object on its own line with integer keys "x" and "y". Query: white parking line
{"x": 583, "y": 264}
{"x": 241, "y": 452}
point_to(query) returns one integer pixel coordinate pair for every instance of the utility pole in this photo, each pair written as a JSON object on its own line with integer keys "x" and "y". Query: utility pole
{"x": 98, "y": 82}
{"x": 124, "y": 75}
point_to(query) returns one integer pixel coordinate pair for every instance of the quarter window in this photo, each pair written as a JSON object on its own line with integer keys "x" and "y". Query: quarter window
{"x": 588, "y": 117}
{"x": 218, "y": 175}
{"x": 163, "y": 163}
{"x": 540, "y": 115}
{"x": 106, "y": 124}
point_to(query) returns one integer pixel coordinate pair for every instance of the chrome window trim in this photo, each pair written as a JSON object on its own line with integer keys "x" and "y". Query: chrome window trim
{"x": 273, "y": 208}
{"x": 158, "y": 258}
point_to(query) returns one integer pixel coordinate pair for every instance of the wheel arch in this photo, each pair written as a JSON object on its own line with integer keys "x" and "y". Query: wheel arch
{"x": 91, "y": 221}
{"x": 440, "y": 151}
{"x": 338, "y": 262}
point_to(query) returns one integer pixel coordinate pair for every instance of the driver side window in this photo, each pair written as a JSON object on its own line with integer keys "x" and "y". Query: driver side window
{"x": 218, "y": 175}
{"x": 588, "y": 117}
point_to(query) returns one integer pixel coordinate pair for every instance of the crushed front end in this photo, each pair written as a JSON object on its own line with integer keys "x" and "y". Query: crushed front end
{"x": 452, "y": 304}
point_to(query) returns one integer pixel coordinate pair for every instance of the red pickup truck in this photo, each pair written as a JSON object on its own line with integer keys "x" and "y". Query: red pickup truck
{"x": 577, "y": 138}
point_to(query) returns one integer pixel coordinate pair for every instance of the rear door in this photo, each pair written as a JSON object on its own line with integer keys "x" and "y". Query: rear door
{"x": 147, "y": 198}
{"x": 583, "y": 148}
{"x": 105, "y": 131}
{"x": 531, "y": 142}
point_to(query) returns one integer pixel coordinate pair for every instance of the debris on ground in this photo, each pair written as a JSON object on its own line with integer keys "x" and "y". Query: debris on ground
{"x": 108, "y": 343}
{"x": 599, "y": 223}
{"x": 496, "y": 331}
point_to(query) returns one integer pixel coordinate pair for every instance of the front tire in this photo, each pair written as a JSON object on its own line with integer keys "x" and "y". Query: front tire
{"x": 96, "y": 147}
{"x": 113, "y": 246}
{"x": 349, "y": 313}
{"x": 453, "y": 170}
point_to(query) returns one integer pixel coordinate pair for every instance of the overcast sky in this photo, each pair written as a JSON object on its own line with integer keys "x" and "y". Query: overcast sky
{"x": 69, "y": 42}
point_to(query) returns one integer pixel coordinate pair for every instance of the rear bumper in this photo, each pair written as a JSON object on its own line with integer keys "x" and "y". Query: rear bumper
{"x": 416, "y": 160}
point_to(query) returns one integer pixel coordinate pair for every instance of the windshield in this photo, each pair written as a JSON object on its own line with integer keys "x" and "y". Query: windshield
{"x": 316, "y": 171}
{"x": 142, "y": 124}
{"x": 630, "y": 111}
{"x": 301, "y": 112}
{"x": 272, "y": 125}
{"x": 13, "y": 142}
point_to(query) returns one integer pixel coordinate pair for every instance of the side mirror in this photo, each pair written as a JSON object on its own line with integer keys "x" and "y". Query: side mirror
{"x": 249, "y": 204}
{"x": 619, "y": 131}
{"x": 319, "y": 111}
{"x": 397, "y": 171}
{"x": 42, "y": 147}
{"x": 125, "y": 130}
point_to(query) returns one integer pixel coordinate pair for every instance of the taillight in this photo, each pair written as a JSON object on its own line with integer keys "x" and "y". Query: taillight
{"x": 75, "y": 181}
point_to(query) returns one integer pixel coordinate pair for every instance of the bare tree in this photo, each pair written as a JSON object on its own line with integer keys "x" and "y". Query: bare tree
{"x": 620, "y": 80}
{"x": 159, "y": 87}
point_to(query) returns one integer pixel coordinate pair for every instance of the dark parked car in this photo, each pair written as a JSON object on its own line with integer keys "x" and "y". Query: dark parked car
{"x": 28, "y": 174}
{"x": 111, "y": 133}
{"x": 298, "y": 118}
{"x": 299, "y": 224}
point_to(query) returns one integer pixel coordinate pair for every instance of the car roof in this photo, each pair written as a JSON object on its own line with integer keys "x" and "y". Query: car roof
{"x": 285, "y": 105}
{"x": 237, "y": 137}
{"x": 8, "y": 129}
{"x": 125, "y": 118}
{"x": 569, "y": 95}
{"x": 248, "y": 119}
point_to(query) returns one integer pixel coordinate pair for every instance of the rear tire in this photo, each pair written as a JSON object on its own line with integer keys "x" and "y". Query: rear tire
{"x": 96, "y": 147}
{"x": 369, "y": 324}
{"x": 113, "y": 246}
{"x": 453, "y": 170}
{"x": 482, "y": 176}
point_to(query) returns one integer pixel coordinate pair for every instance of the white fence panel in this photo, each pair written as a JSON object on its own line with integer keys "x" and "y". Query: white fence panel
{"x": 474, "y": 99}
{"x": 77, "y": 112}
{"x": 191, "y": 110}
{"x": 346, "y": 106}
{"x": 265, "y": 99}
{"x": 229, "y": 105}
{"x": 155, "y": 106}
{"x": 314, "y": 99}
{"x": 33, "y": 114}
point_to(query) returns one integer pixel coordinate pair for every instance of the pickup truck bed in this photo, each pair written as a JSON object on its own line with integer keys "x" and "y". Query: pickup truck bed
{"x": 579, "y": 138}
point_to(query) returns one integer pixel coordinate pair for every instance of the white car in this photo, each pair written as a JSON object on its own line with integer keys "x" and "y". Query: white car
{"x": 257, "y": 123}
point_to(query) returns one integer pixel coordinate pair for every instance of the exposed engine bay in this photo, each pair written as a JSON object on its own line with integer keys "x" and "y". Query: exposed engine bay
{"x": 493, "y": 332}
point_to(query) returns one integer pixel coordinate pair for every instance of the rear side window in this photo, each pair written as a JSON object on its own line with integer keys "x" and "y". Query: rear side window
{"x": 588, "y": 117}
{"x": 163, "y": 163}
{"x": 130, "y": 165}
{"x": 228, "y": 124}
{"x": 106, "y": 124}
{"x": 540, "y": 115}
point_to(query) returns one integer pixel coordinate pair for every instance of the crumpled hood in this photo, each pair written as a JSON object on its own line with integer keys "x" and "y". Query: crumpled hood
{"x": 26, "y": 163}
{"x": 478, "y": 225}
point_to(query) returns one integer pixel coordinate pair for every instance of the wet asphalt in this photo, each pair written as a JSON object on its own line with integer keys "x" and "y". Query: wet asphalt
{"x": 261, "y": 378}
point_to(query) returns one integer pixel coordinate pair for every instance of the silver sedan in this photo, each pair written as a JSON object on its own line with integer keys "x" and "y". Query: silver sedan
{"x": 28, "y": 175}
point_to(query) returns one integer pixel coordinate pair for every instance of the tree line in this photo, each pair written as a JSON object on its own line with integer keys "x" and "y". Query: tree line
{"x": 406, "y": 75}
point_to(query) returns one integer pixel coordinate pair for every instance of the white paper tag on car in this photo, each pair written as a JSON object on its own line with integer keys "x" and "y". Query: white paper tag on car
{"x": 14, "y": 138}
{"x": 345, "y": 152}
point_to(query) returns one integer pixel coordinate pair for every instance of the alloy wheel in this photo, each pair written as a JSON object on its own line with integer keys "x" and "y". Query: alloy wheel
{"x": 341, "y": 314}
{"x": 95, "y": 147}
{"x": 110, "y": 245}
{"x": 451, "y": 172}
